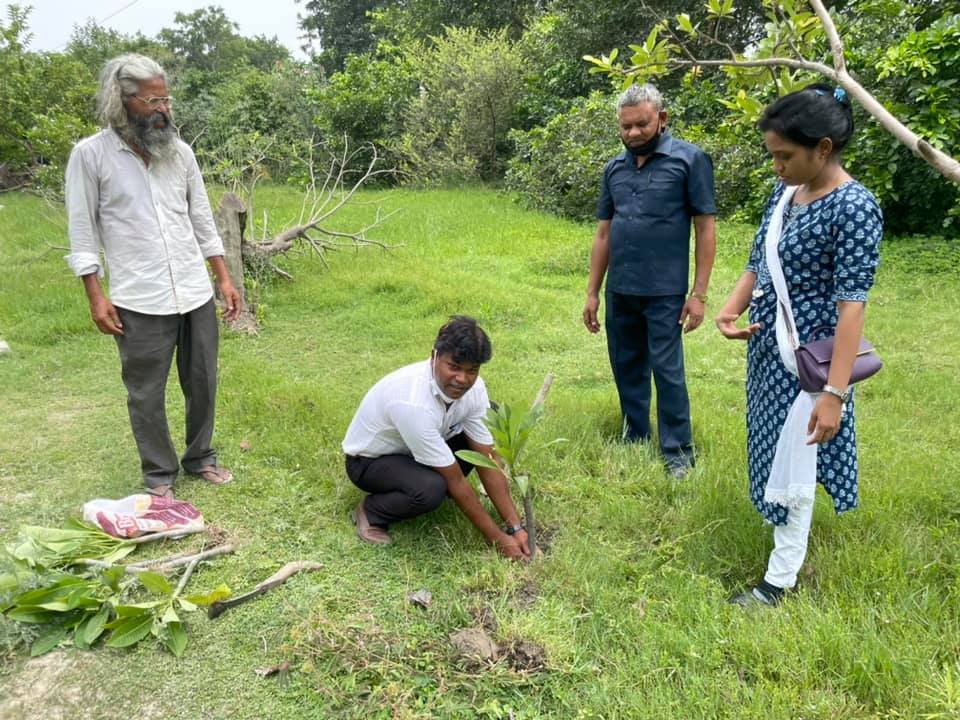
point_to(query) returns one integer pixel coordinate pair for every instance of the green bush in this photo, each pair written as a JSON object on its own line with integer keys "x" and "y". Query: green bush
{"x": 364, "y": 102}
{"x": 455, "y": 128}
{"x": 46, "y": 102}
{"x": 557, "y": 167}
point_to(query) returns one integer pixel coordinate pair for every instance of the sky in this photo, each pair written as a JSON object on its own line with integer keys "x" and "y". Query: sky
{"x": 52, "y": 21}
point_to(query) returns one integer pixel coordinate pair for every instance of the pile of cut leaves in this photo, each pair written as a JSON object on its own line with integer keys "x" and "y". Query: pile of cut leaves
{"x": 70, "y": 582}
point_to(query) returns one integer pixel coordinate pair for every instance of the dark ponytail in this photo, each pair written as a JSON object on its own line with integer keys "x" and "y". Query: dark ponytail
{"x": 809, "y": 115}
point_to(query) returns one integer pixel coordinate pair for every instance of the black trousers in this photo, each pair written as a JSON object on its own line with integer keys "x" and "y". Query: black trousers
{"x": 644, "y": 337}
{"x": 147, "y": 349}
{"x": 401, "y": 488}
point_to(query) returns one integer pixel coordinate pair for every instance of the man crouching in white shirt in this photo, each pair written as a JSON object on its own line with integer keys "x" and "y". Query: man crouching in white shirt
{"x": 400, "y": 445}
{"x": 134, "y": 190}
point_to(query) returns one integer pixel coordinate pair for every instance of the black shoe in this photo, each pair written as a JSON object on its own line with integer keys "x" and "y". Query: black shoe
{"x": 756, "y": 597}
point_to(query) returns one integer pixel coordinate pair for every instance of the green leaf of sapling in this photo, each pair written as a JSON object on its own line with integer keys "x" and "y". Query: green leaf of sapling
{"x": 477, "y": 459}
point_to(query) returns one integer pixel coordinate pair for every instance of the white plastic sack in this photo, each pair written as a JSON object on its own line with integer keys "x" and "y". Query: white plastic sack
{"x": 140, "y": 514}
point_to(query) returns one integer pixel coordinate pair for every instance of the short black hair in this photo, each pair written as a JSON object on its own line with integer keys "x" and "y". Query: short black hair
{"x": 464, "y": 340}
{"x": 809, "y": 115}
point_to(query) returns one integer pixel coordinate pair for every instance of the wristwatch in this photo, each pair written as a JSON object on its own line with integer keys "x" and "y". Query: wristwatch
{"x": 513, "y": 530}
{"x": 844, "y": 395}
{"x": 699, "y": 296}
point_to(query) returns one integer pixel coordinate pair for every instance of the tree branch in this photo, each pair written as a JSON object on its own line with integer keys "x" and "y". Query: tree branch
{"x": 836, "y": 45}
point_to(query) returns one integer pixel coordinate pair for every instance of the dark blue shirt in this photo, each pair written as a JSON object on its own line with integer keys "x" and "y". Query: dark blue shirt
{"x": 650, "y": 208}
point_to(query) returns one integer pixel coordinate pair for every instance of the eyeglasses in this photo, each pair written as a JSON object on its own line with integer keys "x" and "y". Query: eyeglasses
{"x": 154, "y": 102}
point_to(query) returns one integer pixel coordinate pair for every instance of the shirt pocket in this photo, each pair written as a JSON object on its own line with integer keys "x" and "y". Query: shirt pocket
{"x": 171, "y": 186}
{"x": 660, "y": 198}
{"x": 624, "y": 194}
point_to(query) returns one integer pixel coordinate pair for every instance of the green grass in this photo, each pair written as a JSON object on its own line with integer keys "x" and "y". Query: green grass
{"x": 629, "y": 602}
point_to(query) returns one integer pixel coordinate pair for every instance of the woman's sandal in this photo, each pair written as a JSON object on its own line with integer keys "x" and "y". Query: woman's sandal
{"x": 215, "y": 475}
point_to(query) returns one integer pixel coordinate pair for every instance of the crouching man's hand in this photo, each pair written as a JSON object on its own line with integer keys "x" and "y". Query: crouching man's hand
{"x": 509, "y": 546}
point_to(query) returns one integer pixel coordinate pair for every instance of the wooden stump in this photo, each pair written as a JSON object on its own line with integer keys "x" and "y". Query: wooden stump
{"x": 231, "y": 219}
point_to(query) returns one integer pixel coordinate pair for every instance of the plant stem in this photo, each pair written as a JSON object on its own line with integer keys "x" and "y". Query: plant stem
{"x": 544, "y": 390}
{"x": 531, "y": 523}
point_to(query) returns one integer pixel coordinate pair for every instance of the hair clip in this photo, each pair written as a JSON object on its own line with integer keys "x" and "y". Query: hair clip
{"x": 818, "y": 91}
{"x": 840, "y": 94}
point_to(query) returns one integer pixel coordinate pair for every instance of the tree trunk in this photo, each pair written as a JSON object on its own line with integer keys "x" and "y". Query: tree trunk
{"x": 231, "y": 219}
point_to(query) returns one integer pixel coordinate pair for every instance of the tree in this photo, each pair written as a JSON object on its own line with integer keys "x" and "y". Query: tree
{"x": 45, "y": 105}
{"x": 457, "y": 126}
{"x": 342, "y": 28}
{"x": 798, "y": 43}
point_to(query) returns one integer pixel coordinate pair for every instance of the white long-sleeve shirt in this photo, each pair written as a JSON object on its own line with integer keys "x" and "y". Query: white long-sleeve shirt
{"x": 153, "y": 223}
{"x": 403, "y": 415}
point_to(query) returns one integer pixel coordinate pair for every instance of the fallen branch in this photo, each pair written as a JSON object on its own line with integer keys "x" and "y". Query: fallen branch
{"x": 278, "y": 578}
{"x": 168, "y": 564}
{"x": 164, "y": 534}
{"x": 186, "y": 576}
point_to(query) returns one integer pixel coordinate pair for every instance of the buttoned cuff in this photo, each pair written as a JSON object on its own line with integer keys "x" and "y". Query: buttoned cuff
{"x": 84, "y": 263}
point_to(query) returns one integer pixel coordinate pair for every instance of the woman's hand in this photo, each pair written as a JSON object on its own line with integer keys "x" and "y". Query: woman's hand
{"x": 727, "y": 325}
{"x": 825, "y": 419}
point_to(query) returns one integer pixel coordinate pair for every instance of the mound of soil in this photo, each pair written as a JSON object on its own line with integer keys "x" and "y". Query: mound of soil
{"x": 477, "y": 649}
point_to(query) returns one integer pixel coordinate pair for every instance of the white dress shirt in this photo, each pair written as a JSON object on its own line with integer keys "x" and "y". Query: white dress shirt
{"x": 153, "y": 223}
{"x": 403, "y": 415}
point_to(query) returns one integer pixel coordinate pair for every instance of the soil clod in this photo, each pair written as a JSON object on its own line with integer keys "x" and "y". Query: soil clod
{"x": 524, "y": 656}
{"x": 475, "y": 646}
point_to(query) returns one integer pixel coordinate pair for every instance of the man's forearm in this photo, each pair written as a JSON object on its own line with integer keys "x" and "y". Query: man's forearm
{"x": 91, "y": 285}
{"x": 599, "y": 259}
{"x": 705, "y": 251}
{"x": 219, "y": 268}
{"x": 463, "y": 494}
{"x": 498, "y": 490}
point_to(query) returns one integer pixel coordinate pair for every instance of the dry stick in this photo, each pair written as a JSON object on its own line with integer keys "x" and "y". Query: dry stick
{"x": 157, "y": 561}
{"x": 205, "y": 555}
{"x": 278, "y": 578}
{"x": 169, "y": 564}
{"x": 186, "y": 576}
{"x": 175, "y": 533}
{"x": 527, "y": 499}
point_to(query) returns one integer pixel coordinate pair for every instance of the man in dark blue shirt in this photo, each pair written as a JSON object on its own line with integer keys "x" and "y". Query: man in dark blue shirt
{"x": 648, "y": 196}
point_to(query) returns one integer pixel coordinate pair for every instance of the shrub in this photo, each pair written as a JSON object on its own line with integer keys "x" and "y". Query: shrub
{"x": 456, "y": 127}
{"x": 557, "y": 167}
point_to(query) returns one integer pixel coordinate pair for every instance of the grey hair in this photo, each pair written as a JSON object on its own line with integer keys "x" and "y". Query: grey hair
{"x": 639, "y": 94}
{"x": 120, "y": 78}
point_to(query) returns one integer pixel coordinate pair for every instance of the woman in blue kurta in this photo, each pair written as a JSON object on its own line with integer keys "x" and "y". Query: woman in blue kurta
{"x": 828, "y": 252}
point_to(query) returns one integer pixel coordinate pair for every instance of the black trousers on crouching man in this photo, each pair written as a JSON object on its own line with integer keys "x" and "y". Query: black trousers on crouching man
{"x": 146, "y": 352}
{"x": 401, "y": 488}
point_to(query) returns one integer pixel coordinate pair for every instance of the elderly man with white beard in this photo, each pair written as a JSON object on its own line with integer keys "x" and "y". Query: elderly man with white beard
{"x": 134, "y": 191}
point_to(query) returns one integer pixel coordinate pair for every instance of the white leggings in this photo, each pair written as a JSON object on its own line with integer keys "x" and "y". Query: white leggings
{"x": 789, "y": 548}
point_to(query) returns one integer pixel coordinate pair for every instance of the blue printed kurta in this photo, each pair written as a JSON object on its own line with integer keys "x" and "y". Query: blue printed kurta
{"x": 829, "y": 252}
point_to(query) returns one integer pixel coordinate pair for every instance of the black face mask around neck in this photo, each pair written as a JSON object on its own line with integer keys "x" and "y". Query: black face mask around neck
{"x": 646, "y": 148}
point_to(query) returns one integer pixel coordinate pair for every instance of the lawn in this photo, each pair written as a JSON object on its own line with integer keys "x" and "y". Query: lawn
{"x": 628, "y": 604}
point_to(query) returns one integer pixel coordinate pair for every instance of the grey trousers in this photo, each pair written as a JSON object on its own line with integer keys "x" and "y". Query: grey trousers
{"x": 146, "y": 351}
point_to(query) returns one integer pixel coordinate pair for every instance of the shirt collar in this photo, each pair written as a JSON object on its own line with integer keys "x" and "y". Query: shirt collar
{"x": 119, "y": 144}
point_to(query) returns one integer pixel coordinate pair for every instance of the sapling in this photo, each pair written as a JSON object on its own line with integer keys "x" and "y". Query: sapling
{"x": 510, "y": 436}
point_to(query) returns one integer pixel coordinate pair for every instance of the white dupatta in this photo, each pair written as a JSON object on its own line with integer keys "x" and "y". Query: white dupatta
{"x": 793, "y": 475}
